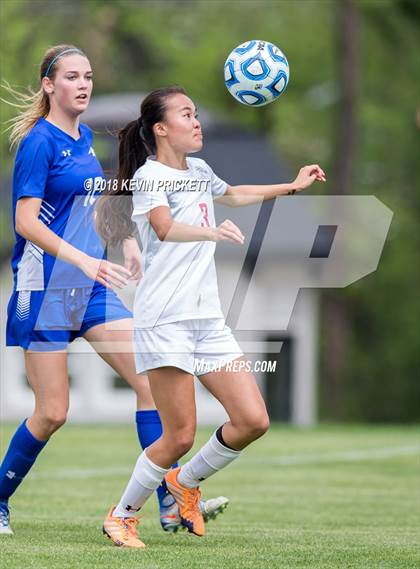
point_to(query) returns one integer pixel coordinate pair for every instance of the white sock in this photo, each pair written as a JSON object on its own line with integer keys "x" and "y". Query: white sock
{"x": 213, "y": 456}
{"x": 146, "y": 477}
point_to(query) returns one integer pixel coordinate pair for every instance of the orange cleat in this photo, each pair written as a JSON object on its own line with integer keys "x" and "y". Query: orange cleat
{"x": 188, "y": 500}
{"x": 122, "y": 531}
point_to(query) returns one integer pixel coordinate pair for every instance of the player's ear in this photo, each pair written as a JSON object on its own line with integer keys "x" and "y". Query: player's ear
{"x": 47, "y": 85}
{"x": 159, "y": 129}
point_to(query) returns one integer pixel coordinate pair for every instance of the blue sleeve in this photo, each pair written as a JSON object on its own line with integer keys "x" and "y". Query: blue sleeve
{"x": 33, "y": 162}
{"x": 87, "y": 132}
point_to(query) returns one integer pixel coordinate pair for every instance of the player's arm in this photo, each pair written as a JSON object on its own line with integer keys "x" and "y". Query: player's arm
{"x": 32, "y": 229}
{"x": 167, "y": 229}
{"x": 132, "y": 258}
{"x": 236, "y": 196}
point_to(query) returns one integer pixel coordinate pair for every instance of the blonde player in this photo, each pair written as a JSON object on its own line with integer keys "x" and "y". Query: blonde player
{"x": 61, "y": 280}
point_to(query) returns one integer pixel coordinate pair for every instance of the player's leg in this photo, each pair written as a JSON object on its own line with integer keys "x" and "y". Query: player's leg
{"x": 173, "y": 392}
{"x": 225, "y": 375}
{"x": 107, "y": 324}
{"x": 104, "y": 337}
{"x": 47, "y": 376}
{"x": 248, "y": 420}
{"x": 240, "y": 396}
{"x": 113, "y": 341}
{"x": 176, "y": 404}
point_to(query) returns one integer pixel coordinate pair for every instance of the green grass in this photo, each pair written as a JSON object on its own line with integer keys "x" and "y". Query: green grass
{"x": 330, "y": 497}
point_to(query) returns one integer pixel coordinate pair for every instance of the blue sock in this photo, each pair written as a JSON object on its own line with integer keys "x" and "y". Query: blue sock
{"x": 18, "y": 460}
{"x": 149, "y": 430}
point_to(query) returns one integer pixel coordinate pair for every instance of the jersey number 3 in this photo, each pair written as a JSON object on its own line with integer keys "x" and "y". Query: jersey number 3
{"x": 204, "y": 210}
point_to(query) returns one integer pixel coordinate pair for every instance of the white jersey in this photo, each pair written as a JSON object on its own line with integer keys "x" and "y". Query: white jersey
{"x": 179, "y": 281}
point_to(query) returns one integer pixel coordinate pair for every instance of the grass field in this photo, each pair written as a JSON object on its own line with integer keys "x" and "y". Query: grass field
{"x": 331, "y": 497}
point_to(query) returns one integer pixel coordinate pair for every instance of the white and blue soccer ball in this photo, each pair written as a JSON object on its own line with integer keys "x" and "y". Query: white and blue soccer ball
{"x": 256, "y": 73}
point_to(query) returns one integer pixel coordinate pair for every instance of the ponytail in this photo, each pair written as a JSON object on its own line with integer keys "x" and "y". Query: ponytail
{"x": 113, "y": 213}
{"x": 133, "y": 150}
{"x": 32, "y": 106}
{"x": 136, "y": 143}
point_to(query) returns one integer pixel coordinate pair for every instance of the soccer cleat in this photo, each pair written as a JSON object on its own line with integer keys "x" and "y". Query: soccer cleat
{"x": 211, "y": 508}
{"x": 169, "y": 514}
{"x": 188, "y": 500}
{"x": 122, "y": 531}
{"x": 5, "y": 528}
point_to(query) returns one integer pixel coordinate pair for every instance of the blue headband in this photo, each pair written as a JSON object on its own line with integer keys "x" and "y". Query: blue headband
{"x": 59, "y": 55}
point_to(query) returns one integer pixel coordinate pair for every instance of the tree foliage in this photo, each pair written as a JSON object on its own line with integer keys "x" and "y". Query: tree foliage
{"x": 140, "y": 45}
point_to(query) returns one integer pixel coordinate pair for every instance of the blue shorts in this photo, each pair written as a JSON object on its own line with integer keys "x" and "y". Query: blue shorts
{"x": 49, "y": 320}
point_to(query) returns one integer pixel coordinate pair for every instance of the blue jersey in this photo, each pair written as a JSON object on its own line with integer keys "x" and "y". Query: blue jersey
{"x": 65, "y": 174}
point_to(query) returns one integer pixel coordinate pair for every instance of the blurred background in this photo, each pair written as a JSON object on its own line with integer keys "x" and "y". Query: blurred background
{"x": 351, "y": 106}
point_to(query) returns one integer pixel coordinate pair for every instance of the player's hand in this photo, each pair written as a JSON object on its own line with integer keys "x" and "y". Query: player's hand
{"x": 228, "y": 231}
{"x": 307, "y": 176}
{"x": 132, "y": 258}
{"x": 104, "y": 272}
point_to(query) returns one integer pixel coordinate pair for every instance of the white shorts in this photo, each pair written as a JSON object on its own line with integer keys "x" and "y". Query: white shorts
{"x": 195, "y": 346}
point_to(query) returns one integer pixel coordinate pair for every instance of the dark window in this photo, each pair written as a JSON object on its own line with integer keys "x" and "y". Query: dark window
{"x": 278, "y": 384}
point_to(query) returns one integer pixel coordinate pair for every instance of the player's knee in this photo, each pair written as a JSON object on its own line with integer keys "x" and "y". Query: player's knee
{"x": 54, "y": 419}
{"x": 263, "y": 424}
{"x": 182, "y": 443}
{"x": 257, "y": 425}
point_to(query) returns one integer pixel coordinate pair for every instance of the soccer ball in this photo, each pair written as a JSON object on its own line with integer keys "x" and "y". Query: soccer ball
{"x": 256, "y": 73}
